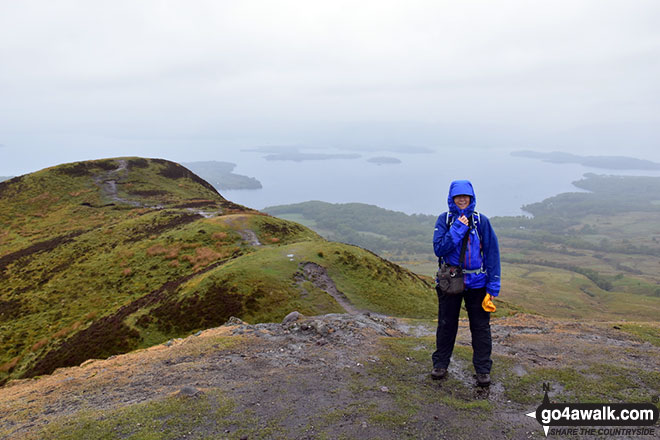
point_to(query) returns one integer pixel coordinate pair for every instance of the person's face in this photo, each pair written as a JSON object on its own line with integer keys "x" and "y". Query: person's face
{"x": 462, "y": 201}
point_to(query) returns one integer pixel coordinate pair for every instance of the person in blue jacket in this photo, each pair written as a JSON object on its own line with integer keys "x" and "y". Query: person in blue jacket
{"x": 481, "y": 270}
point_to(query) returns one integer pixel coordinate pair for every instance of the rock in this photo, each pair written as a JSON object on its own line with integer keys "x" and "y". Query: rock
{"x": 320, "y": 327}
{"x": 385, "y": 389}
{"x": 291, "y": 317}
{"x": 188, "y": 391}
{"x": 198, "y": 333}
{"x": 87, "y": 362}
{"x": 169, "y": 343}
{"x": 235, "y": 321}
{"x": 390, "y": 332}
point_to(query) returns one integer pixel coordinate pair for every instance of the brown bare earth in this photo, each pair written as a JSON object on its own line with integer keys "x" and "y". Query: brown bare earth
{"x": 330, "y": 376}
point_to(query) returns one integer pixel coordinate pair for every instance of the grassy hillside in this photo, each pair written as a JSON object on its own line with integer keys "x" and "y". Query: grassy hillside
{"x": 583, "y": 255}
{"x": 103, "y": 257}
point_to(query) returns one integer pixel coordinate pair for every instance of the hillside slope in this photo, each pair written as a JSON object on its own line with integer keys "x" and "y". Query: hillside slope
{"x": 103, "y": 257}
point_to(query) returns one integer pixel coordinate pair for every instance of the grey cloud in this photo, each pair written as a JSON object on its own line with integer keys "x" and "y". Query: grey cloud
{"x": 510, "y": 73}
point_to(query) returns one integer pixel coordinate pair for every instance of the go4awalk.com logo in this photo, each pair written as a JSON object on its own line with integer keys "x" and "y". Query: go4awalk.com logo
{"x": 596, "y": 419}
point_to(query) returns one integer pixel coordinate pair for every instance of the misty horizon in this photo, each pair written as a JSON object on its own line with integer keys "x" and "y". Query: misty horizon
{"x": 88, "y": 80}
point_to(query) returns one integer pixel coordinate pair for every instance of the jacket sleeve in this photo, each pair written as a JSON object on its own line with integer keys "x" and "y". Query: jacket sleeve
{"x": 491, "y": 253}
{"x": 446, "y": 239}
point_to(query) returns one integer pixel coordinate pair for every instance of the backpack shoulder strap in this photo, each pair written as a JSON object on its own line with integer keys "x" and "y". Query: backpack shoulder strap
{"x": 476, "y": 221}
{"x": 448, "y": 222}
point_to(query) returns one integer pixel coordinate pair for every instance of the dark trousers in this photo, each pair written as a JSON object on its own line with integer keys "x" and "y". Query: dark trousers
{"x": 449, "y": 307}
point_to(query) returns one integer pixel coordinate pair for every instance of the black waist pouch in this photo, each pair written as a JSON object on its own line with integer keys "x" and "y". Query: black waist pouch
{"x": 450, "y": 279}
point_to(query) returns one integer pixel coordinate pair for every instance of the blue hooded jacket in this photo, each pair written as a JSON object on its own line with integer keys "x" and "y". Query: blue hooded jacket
{"x": 482, "y": 250}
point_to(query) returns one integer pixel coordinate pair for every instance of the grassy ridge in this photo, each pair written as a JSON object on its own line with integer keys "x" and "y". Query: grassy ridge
{"x": 102, "y": 257}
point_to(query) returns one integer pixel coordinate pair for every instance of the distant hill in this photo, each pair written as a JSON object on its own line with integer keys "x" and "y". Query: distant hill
{"x": 220, "y": 175}
{"x": 605, "y": 162}
{"x": 103, "y": 257}
{"x": 369, "y": 226}
{"x": 607, "y": 195}
{"x": 384, "y": 160}
{"x": 290, "y": 153}
{"x": 300, "y": 157}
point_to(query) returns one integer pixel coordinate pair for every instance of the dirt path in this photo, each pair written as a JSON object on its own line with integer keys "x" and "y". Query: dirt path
{"x": 318, "y": 275}
{"x": 239, "y": 223}
{"x": 107, "y": 181}
{"x": 249, "y": 236}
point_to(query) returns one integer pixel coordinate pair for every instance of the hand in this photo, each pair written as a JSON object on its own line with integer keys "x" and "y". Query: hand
{"x": 463, "y": 219}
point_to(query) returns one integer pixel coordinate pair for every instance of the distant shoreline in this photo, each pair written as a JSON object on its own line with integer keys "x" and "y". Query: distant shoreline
{"x": 300, "y": 157}
{"x": 220, "y": 175}
{"x": 384, "y": 160}
{"x": 602, "y": 162}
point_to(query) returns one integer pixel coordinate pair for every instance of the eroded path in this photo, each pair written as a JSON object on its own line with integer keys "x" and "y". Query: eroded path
{"x": 318, "y": 275}
{"x": 107, "y": 181}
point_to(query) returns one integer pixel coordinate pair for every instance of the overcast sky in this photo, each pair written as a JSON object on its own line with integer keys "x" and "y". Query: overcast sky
{"x": 187, "y": 80}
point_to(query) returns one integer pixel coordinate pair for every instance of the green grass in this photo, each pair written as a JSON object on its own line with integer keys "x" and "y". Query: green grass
{"x": 594, "y": 383}
{"x": 636, "y": 286}
{"x": 643, "y": 332}
{"x": 402, "y": 365}
{"x": 558, "y": 293}
{"x": 374, "y": 284}
{"x": 162, "y": 418}
{"x": 267, "y": 275}
{"x": 403, "y": 360}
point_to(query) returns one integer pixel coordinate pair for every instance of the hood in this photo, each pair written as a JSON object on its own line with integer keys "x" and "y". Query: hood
{"x": 459, "y": 187}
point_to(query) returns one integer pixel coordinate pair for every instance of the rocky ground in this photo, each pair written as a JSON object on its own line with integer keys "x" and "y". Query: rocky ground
{"x": 331, "y": 376}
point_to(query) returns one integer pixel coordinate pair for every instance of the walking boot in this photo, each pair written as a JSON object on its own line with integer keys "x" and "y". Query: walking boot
{"x": 438, "y": 373}
{"x": 483, "y": 379}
